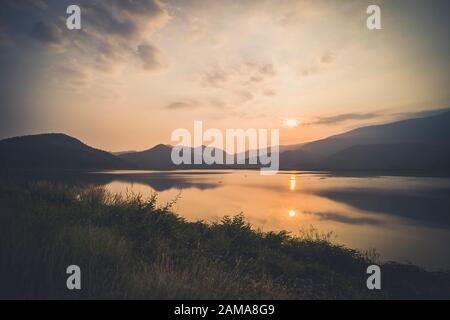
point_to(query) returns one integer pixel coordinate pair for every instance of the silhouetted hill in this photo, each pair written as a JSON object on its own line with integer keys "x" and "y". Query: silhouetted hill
{"x": 413, "y": 144}
{"x": 157, "y": 157}
{"x": 429, "y": 130}
{"x": 55, "y": 151}
{"x": 406, "y": 156}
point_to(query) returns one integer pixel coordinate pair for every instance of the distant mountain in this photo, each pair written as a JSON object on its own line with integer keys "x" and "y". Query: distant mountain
{"x": 421, "y": 144}
{"x": 291, "y": 147}
{"x": 428, "y": 130}
{"x": 55, "y": 151}
{"x": 413, "y": 144}
{"x": 392, "y": 157}
{"x": 159, "y": 158}
{"x": 118, "y": 153}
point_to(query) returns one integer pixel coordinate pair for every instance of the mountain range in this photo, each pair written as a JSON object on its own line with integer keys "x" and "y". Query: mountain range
{"x": 420, "y": 144}
{"x": 412, "y": 144}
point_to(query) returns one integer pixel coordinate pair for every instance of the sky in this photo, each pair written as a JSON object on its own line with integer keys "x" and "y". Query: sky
{"x": 138, "y": 70}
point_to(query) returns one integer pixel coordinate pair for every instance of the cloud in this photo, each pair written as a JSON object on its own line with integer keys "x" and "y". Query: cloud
{"x": 245, "y": 95}
{"x": 5, "y": 40}
{"x": 320, "y": 64}
{"x": 242, "y": 82}
{"x": 178, "y": 105}
{"x": 269, "y": 92}
{"x": 419, "y": 114}
{"x": 313, "y": 70}
{"x": 47, "y": 32}
{"x": 344, "y": 117}
{"x": 39, "y": 4}
{"x": 215, "y": 77}
{"x": 125, "y": 18}
{"x": 213, "y": 102}
{"x": 150, "y": 56}
{"x": 244, "y": 74}
{"x": 113, "y": 33}
{"x": 372, "y": 115}
{"x": 267, "y": 69}
{"x": 147, "y": 8}
{"x": 217, "y": 103}
{"x": 327, "y": 58}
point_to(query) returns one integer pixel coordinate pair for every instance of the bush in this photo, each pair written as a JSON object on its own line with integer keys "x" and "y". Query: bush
{"x": 129, "y": 247}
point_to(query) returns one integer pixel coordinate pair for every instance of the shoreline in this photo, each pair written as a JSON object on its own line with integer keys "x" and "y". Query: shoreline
{"x": 136, "y": 249}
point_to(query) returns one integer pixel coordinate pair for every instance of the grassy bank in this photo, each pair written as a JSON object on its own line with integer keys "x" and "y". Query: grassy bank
{"x": 128, "y": 247}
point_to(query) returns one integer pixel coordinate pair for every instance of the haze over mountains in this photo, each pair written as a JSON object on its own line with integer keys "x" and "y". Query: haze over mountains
{"x": 420, "y": 144}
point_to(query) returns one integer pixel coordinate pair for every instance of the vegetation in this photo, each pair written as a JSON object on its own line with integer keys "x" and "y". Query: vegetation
{"x": 129, "y": 248}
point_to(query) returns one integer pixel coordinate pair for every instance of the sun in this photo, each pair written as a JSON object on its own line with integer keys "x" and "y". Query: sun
{"x": 291, "y": 123}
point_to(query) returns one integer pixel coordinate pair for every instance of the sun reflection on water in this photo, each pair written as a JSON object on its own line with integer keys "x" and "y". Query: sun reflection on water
{"x": 292, "y": 183}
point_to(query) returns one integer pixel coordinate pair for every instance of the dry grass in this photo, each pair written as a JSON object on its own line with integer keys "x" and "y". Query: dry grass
{"x": 129, "y": 248}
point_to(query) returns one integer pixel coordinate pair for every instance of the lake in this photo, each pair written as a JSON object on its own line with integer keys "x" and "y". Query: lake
{"x": 406, "y": 219}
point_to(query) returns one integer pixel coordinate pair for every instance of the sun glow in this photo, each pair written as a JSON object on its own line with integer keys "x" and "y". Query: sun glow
{"x": 291, "y": 123}
{"x": 292, "y": 213}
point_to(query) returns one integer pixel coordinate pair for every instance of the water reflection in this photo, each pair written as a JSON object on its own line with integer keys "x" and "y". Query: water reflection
{"x": 342, "y": 218}
{"x": 429, "y": 207}
{"x": 166, "y": 182}
{"x": 404, "y": 218}
{"x": 293, "y": 182}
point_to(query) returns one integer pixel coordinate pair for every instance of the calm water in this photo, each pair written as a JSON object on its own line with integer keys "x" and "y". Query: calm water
{"x": 407, "y": 219}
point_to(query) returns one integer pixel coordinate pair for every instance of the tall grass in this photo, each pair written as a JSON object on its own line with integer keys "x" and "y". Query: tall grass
{"x": 128, "y": 247}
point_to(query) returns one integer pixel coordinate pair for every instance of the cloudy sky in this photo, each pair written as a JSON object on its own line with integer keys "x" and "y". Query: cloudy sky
{"x": 137, "y": 70}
